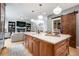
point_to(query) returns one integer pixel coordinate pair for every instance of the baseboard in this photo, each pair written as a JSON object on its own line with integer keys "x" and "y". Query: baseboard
{"x": 77, "y": 47}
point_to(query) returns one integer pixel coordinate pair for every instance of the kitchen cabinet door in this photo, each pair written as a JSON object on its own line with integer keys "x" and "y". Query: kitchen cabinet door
{"x": 36, "y": 43}
{"x": 26, "y": 42}
{"x": 31, "y": 45}
{"x": 46, "y": 49}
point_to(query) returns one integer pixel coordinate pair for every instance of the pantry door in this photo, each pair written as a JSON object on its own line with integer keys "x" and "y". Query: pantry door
{"x": 68, "y": 26}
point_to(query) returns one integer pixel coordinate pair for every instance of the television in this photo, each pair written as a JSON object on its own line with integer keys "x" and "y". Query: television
{"x": 21, "y": 24}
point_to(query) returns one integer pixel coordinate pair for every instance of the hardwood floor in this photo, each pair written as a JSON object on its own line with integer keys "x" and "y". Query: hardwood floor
{"x": 74, "y": 51}
{"x": 4, "y": 52}
{"x": 8, "y": 44}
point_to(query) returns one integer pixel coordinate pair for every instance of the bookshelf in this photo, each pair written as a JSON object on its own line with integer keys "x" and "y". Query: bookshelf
{"x": 28, "y": 27}
{"x": 11, "y": 26}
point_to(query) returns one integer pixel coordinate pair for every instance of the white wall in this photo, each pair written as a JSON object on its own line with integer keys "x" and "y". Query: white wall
{"x": 6, "y": 25}
{"x": 49, "y": 25}
{"x": 77, "y": 30}
{"x": 45, "y": 23}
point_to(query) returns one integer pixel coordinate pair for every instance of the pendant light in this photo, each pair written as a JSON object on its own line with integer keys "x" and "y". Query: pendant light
{"x": 57, "y": 10}
{"x": 40, "y": 16}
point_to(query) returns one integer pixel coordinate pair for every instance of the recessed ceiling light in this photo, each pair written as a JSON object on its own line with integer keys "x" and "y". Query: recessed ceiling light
{"x": 40, "y": 17}
{"x": 40, "y": 4}
{"x": 33, "y": 11}
{"x": 32, "y": 20}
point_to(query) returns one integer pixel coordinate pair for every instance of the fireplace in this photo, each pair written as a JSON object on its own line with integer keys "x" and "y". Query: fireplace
{"x": 21, "y": 30}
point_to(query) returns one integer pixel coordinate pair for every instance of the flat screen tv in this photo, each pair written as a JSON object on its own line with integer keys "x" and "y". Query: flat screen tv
{"x": 21, "y": 24}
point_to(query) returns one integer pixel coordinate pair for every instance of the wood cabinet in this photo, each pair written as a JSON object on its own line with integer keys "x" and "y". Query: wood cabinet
{"x": 26, "y": 42}
{"x": 30, "y": 43}
{"x": 68, "y": 26}
{"x": 46, "y": 49}
{"x": 39, "y": 47}
{"x": 36, "y": 48}
{"x": 62, "y": 48}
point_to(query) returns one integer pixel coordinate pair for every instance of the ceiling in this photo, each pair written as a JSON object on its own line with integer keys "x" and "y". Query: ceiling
{"x": 24, "y": 10}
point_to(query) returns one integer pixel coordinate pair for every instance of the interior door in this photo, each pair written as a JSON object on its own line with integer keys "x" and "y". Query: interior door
{"x": 68, "y": 26}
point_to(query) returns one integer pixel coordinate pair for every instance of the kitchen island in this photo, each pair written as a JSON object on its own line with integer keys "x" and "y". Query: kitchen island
{"x": 44, "y": 45}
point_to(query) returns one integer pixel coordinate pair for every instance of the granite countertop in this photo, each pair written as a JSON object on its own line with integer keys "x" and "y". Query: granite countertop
{"x": 50, "y": 39}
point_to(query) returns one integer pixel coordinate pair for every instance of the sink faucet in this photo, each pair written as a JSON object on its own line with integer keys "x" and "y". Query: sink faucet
{"x": 37, "y": 30}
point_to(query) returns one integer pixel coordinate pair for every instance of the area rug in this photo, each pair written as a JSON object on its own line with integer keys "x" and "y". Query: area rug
{"x": 19, "y": 50}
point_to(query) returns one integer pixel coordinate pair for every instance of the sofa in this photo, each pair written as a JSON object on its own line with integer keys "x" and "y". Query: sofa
{"x": 17, "y": 37}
